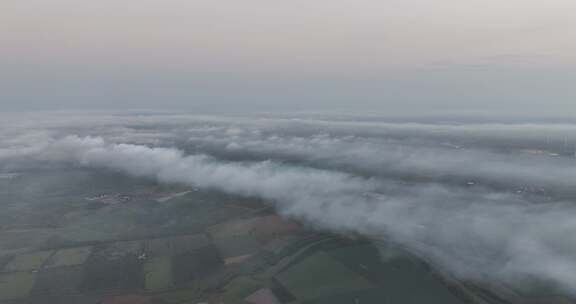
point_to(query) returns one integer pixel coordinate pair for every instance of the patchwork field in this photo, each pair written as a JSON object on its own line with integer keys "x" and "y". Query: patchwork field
{"x": 193, "y": 247}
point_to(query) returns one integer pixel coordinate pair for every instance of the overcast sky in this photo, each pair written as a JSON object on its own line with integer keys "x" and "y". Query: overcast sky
{"x": 397, "y": 56}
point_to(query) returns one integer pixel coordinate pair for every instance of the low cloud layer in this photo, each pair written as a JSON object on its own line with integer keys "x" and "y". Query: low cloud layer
{"x": 453, "y": 203}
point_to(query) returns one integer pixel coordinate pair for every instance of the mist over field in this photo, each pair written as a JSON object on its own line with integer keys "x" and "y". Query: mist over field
{"x": 267, "y": 152}
{"x": 488, "y": 201}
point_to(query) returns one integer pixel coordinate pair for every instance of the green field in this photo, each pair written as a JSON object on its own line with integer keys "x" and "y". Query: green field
{"x": 28, "y": 261}
{"x": 58, "y": 280}
{"x": 395, "y": 275}
{"x": 320, "y": 276}
{"x": 158, "y": 247}
{"x": 70, "y": 257}
{"x": 183, "y": 295}
{"x": 188, "y": 243}
{"x": 236, "y": 246}
{"x": 158, "y": 273}
{"x": 240, "y": 288}
{"x": 16, "y": 285}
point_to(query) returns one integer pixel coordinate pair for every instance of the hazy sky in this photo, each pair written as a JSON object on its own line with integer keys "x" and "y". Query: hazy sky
{"x": 409, "y": 56}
